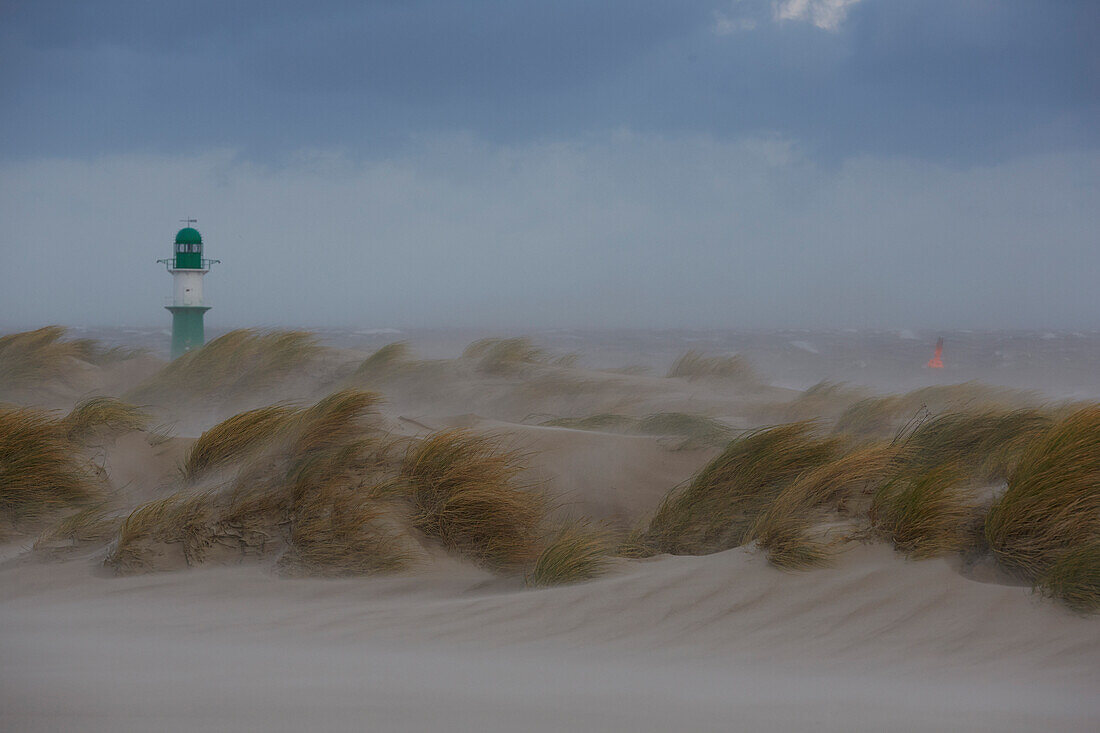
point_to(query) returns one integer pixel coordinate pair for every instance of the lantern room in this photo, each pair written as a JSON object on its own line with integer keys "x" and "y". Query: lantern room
{"x": 188, "y": 249}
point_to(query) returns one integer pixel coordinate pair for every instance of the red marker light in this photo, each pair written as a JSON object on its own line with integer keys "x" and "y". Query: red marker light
{"x": 936, "y": 362}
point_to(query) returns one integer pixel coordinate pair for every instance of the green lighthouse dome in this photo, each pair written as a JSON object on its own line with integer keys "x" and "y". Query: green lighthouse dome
{"x": 188, "y": 249}
{"x": 187, "y": 235}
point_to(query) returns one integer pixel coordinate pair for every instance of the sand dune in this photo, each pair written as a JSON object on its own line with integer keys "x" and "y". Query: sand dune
{"x": 717, "y": 642}
{"x": 714, "y": 643}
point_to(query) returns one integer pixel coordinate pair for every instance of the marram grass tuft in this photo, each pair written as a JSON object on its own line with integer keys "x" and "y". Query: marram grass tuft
{"x": 1074, "y": 578}
{"x": 716, "y": 510}
{"x": 384, "y": 361}
{"x": 1051, "y": 507}
{"x": 577, "y": 552}
{"x": 695, "y": 365}
{"x": 784, "y": 529}
{"x": 237, "y": 437}
{"x": 103, "y": 413}
{"x": 466, "y": 493}
{"x": 501, "y": 356}
{"x": 40, "y": 469}
{"x": 926, "y": 515}
{"x": 237, "y": 364}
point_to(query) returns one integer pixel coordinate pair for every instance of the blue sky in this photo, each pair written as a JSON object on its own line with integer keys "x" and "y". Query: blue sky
{"x": 742, "y": 163}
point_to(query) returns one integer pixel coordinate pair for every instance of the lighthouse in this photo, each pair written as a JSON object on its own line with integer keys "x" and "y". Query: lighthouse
{"x": 187, "y": 267}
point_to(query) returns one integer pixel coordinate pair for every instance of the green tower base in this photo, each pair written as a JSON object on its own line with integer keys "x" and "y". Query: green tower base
{"x": 187, "y": 328}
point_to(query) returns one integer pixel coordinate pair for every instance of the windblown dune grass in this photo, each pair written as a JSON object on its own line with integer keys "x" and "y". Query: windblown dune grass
{"x": 884, "y": 416}
{"x": 924, "y": 492}
{"x": 1074, "y": 578}
{"x": 785, "y": 529}
{"x": 698, "y": 429}
{"x": 107, "y": 413}
{"x": 986, "y": 443}
{"x": 38, "y": 356}
{"x": 333, "y": 421}
{"x": 466, "y": 493}
{"x": 503, "y": 355}
{"x": 236, "y": 437}
{"x": 344, "y": 533}
{"x": 576, "y": 553}
{"x": 40, "y": 470}
{"x": 298, "y": 492}
{"x": 1047, "y": 522}
{"x": 44, "y": 357}
{"x": 240, "y": 363}
{"x": 384, "y": 361}
{"x": 926, "y": 515}
{"x": 94, "y": 525}
{"x": 43, "y": 468}
{"x": 696, "y": 365}
{"x": 716, "y": 510}
{"x": 321, "y": 489}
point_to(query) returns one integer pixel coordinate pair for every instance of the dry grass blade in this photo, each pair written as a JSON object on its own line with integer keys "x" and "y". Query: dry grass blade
{"x": 987, "y": 443}
{"x": 784, "y": 528}
{"x": 36, "y": 357}
{"x": 1074, "y": 578}
{"x": 499, "y": 356}
{"x": 790, "y": 545}
{"x": 465, "y": 492}
{"x": 140, "y": 527}
{"x": 881, "y": 417}
{"x": 108, "y": 413}
{"x": 237, "y": 437}
{"x": 252, "y": 517}
{"x": 716, "y": 510}
{"x": 44, "y": 355}
{"x": 823, "y": 400}
{"x": 344, "y": 533}
{"x": 926, "y": 515}
{"x": 299, "y": 490}
{"x": 636, "y": 545}
{"x": 321, "y": 470}
{"x": 94, "y": 525}
{"x": 239, "y": 363}
{"x": 385, "y": 360}
{"x": 1052, "y": 504}
{"x": 180, "y": 519}
{"x": 334, "y": 420}
{"x": 39, "y": 469}
{"x": 699, "y": 430}
{"x": 578, "y": 552}
{"x": 695, "y": 365}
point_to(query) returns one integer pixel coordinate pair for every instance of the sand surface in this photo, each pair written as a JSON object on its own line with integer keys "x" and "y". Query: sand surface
{"x": 723, "y": 642}
{"x": 716, "y": 643}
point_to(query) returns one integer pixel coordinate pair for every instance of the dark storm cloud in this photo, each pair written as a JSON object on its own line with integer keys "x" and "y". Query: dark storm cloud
{"x": 944, "y": 79}
{"x": 729, "y": 163}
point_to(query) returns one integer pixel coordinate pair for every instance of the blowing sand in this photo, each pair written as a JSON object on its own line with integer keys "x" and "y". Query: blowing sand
{"x": 722, "y": 642}
{"x": 715, "y": 643}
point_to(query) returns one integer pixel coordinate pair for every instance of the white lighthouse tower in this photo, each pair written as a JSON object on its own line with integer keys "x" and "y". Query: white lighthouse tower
{"x": 187, "y": 266}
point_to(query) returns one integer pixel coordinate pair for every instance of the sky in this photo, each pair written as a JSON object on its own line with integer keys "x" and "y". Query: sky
{"x": 680, "y": 164}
